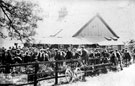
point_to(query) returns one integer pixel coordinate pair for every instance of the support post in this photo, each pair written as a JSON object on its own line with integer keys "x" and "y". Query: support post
{"x": 35, "y": 74}
{"x": 56, "y": 72}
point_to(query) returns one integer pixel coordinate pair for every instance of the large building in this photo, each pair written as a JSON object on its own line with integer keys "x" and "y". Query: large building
{"x": 95, "y": 30}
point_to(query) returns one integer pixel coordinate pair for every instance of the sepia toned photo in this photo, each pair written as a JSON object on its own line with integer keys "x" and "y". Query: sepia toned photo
{"x": 67, "y": 43}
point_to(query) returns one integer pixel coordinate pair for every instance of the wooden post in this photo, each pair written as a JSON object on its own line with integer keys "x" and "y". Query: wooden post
{"x": 56, "y": 72}
{"x": 7, "y": 68}
{"x": 35, "y": 74}
{"x": 7, "y": 71}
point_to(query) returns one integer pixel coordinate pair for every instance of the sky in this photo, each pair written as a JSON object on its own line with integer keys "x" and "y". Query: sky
{"x": 70, "y": 15}
{"x": 119, "y": 14}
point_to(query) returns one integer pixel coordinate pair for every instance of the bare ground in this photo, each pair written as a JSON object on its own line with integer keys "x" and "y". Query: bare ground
{"x": 121, "y": 78}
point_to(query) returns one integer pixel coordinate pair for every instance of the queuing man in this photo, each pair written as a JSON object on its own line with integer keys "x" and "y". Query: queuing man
{"x": 69, "y": 54}
{"x": 134, "y": 54}
{"x": 41, "y": 55}
{"x": 119, "y": 56}
{"x": 84, "y": 55}
{"x": 114, "y": 58}
{"x": 105, "y": 55}
{"x": 127, "y": 57}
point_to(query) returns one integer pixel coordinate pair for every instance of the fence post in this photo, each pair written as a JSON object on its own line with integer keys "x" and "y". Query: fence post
{"x": 7, "y": 68}
{"x": 56, "y": 72}
{"x": 7, "y": 71}
{"x": 35, "y": 73}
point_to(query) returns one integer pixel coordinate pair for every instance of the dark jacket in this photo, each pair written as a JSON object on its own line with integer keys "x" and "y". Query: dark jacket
{"x": 57, "y": 56}
{"x": 69, "y": 55}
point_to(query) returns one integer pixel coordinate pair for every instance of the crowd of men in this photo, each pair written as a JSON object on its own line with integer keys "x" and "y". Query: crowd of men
{"x": 86, "y": 56}
{"x": 24, "y": 55}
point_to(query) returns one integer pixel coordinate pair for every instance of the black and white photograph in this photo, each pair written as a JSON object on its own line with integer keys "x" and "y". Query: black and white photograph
{"x": 67, "y": 42}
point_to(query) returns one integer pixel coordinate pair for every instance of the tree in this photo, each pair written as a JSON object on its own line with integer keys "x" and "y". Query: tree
{"x": 20, "y": 18}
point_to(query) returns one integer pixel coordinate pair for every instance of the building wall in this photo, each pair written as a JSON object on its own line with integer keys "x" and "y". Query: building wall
{"x": 95, "y": 31}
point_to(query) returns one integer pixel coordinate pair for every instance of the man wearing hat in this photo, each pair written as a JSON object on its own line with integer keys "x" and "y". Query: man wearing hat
{"x": 84, "y": 55}
{"x": 127, "y": 57}
{"x": 134, "y": 54}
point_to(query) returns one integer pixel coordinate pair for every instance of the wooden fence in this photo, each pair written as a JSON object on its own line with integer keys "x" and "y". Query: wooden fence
{"x": 36, "y": 64}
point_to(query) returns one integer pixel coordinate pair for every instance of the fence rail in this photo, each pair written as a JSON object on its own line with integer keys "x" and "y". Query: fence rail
{"x": 56, "y": 71}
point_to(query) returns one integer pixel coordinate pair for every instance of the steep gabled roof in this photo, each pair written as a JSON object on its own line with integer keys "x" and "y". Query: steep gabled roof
{"x": 79, "y": 31}
{"x": 107, "y": 26}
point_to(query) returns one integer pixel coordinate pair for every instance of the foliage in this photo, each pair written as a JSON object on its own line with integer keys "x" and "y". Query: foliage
{"x": 20, "y": 18}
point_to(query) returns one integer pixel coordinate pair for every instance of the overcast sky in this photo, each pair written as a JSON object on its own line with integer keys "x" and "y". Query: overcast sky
{"x": 119, "y": 14}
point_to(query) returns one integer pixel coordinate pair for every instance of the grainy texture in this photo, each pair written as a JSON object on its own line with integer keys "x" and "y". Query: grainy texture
{"x": 121, "y": 78}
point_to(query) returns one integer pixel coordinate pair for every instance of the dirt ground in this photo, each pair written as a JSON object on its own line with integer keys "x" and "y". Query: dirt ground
{"x": 121, "y": 78}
